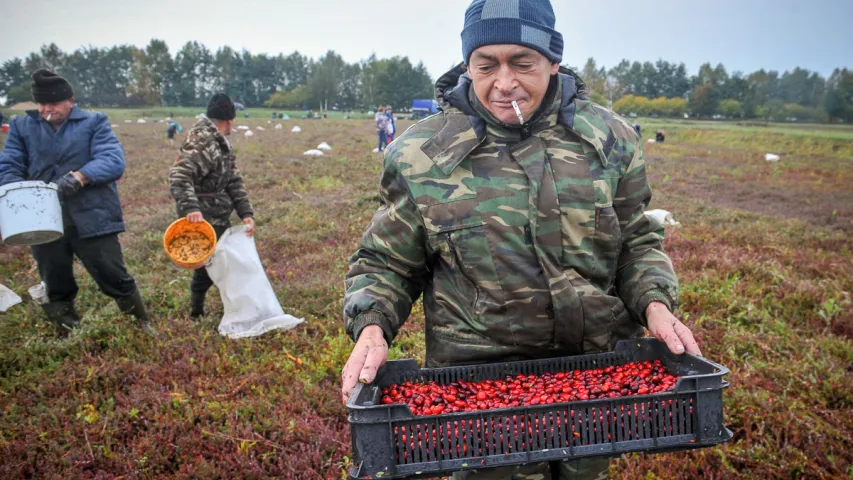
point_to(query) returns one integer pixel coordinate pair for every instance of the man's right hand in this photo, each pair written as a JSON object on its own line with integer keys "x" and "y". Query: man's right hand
{"x": 370, "y": 353}
{"x": 195, "y": 217}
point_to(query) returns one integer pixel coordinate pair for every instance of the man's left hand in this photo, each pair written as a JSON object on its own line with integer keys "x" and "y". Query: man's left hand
{"x": 668, "y": 329}
{"x": 251, "y": 226}
{"x": 69, "y": 185}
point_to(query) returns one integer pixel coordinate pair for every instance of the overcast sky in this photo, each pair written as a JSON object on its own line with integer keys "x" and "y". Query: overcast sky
{"x": 742, "y": 34}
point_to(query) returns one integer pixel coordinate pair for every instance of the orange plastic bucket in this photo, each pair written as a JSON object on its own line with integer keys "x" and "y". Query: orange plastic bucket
{"x": 183, "y": 255}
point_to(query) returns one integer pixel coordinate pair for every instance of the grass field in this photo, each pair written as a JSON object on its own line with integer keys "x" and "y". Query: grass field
{"x": 765, "y": 258}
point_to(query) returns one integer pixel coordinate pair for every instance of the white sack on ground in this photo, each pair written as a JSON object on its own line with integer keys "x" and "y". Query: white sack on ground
{"x": 249, "y": 133}
{"x": 663, "y": 217}
{"x": 324, "y": 146}
{"x": 278, "y": 127}
{"x": 251, "y": 307}
{"x": 771, "y": 158}
{"x": 296, "y": 129}
{"x": 8, "y": 298}
{"x": 313, "y": 153}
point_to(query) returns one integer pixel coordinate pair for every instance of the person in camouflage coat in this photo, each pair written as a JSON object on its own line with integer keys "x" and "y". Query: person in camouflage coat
{"x": 206, "y": 183}
{"x": 524, "y": 230}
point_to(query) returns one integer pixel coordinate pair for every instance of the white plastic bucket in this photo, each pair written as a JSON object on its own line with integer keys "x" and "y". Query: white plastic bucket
{"x": 30, "y": 213}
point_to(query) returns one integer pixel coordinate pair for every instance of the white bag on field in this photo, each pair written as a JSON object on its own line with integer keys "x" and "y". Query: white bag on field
{"x": 663, "y": 217}
{"x": 8, "y": 298}
{"x": 251, "y": 307}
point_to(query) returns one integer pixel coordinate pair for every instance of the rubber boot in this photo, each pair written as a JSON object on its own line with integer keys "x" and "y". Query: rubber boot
{"x": 133, "y": 305}
{"x": 63, "y": 316}
{"x": 197, "y": 305}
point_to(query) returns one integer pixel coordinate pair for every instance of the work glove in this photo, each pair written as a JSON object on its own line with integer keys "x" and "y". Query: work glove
{"x": 68, "y": 186}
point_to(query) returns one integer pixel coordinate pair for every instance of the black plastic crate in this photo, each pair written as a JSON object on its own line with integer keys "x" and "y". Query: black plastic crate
{"x": 388, "y": 441}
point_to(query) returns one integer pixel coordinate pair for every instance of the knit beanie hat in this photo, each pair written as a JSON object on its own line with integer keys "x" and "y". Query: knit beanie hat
{"x": 49, "y": 87}
{"x": 516, "y": 22}
{"x": 221, "y": 108}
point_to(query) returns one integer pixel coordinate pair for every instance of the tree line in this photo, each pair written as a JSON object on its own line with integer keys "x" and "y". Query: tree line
{"x": 665, "y": 89}
{"x": 128, "y": 76}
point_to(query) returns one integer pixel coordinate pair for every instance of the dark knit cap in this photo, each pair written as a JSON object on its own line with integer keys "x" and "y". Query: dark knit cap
{"x": 49, "y": 87}
{"x": 221, "y": 108}
{"x": 529, "y": 23}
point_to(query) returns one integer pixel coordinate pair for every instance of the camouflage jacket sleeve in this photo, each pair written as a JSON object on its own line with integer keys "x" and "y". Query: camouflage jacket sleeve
{"x": 389, "y": 270}
{"x": 239, "y": 196}
{"x": 645, "y": 273}
{"x": 192, "y": 165}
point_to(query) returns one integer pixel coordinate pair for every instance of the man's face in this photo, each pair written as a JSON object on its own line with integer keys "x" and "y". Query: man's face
{"x": 502, "y": 74}
{"x": 56, "y": 113}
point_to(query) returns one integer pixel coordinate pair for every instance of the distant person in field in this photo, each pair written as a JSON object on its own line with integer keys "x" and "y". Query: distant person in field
{"x": 638, "y": 129}
{"x": 660, "y": 136}
{"x": 392, "y": 123}
{"x": 78, "y": 151}
{"x": 207, "y": 185}
{"x": 382, "y": 128}
{"x": 517, "y": 216}
{"x": 171, "y": 131}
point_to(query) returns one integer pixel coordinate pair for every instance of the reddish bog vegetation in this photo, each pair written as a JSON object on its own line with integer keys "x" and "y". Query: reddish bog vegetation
{"x": 764, "y": 256}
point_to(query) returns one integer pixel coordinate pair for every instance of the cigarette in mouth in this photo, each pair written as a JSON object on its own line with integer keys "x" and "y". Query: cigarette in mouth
{"x": 50, "y": 115}
{"x": 518, "y": 112}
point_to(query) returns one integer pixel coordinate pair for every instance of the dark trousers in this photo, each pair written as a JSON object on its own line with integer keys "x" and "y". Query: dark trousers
{"x": 201, "y": 281}
{"x": 101, "y": 256}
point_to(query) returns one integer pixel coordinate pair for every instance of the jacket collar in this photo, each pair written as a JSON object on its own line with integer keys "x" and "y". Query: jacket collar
{"x": 464, "y": 129}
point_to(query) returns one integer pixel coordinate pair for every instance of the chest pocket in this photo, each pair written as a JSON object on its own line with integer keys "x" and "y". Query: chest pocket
{"x": 608, "y": 235}
{"x": 464, "y": 271}
{"x": 590, "y": 227}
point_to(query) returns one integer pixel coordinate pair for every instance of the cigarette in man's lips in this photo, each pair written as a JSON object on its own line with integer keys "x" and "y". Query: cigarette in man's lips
{"x": 518, "y": 112}
{"x": 50, "y": 115}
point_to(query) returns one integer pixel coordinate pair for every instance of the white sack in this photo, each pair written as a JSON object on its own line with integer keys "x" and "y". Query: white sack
{"x": 324, "y": 146}
{"x": 251, "y": 307}
{"x": 771, "y": 158}
{"x": 296, "y": 129}
{"x": 663, "y": 217}
{"x": 313, "y": 153}
{"x": 8, "y": 298}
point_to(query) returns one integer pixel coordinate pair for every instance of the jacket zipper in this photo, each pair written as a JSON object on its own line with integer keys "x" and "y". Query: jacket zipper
{"x": 457, "y": 260}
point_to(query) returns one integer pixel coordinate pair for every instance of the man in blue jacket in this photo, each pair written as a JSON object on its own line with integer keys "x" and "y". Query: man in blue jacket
{"x": 78, "y": 151}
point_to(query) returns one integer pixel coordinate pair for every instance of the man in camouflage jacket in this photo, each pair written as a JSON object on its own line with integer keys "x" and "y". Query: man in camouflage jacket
{"x": 206, "y": 183}
{"x": 523, "y": 230}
